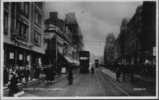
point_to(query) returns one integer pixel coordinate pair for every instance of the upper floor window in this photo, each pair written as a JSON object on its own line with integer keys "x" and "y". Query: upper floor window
{"x": 36, "y": 38}
{"x": 21, "y": 6}
{"x": 6, "y": 5}
{"x": 5, "y": 23}
{"x": 22, "y": 30}
{"x": 39, "y": 4}
{"x": 24, "y": 8}
{"x": 37, "y": 18}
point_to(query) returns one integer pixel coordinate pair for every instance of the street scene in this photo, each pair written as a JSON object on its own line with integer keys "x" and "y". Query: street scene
{"x": 85, "y": 49}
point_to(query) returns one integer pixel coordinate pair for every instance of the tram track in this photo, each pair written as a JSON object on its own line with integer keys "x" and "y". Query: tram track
{"x": 111, "y": 88}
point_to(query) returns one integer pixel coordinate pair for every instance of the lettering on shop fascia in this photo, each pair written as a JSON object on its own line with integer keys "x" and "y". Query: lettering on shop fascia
{"x": 21, "y": 43}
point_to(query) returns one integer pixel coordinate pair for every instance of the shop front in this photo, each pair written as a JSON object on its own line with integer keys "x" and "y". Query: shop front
{"x": 16, "y": 57}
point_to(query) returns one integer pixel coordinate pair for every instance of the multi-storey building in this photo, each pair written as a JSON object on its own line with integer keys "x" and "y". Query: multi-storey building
{"x": 60, "y": 48}
{"x": 74, "y": 32}
{"x": 57, "y": 42}
{"x": 23, "y": 33}
{"x": 137, "y": 39}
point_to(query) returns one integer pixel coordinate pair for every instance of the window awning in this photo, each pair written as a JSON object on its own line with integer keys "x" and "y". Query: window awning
{"x": 69, "y": 59}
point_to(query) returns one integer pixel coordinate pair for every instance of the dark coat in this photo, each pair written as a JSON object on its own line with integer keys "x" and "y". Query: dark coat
{"x": 6, "y": 76}
{"x": 13, "y": 88}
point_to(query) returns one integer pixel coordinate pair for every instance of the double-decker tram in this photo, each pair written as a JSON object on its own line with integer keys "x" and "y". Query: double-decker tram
{"x": 84, "y": 57}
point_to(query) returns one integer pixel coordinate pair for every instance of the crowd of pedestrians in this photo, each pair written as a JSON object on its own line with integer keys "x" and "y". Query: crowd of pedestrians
{"x": 127, "y": 71}
{"x": 15, "y": 75}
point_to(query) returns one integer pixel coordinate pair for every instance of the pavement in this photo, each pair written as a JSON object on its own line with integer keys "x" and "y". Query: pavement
{"x": 108, "y": 72}
{"x": 31, "y": 83}
{"x": 83, "y": 85}
{"x": 102, "y": 83}
{"x": 142, "y": 86}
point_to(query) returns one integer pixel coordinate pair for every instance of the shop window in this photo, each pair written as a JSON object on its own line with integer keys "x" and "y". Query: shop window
{"x": 5, "y": 23}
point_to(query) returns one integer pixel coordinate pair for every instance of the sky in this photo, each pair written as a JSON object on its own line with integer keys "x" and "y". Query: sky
{"x": 96, "y": 19}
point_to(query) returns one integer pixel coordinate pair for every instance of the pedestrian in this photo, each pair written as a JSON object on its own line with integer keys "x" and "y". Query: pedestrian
{"x": 132, "y": 66}
{"x": 118, "y": 72}
{"x": 20, "y": 74}
{"x": 26, "y": 74}
{"x": 23, "y": 74}
{"x": 123, "y": 68}
{"x": 13, "y": 88}
{"x": 70, "y": 76}
{"x": 29, "y": 68}
{"x": 47, "y": 73}
{"x": 5, "y": 75}
{"x": 92, "y": 70}
{"x": 37, "y": 71}
{"x": 32, "y": 72}
{"x": 52, "y": 73}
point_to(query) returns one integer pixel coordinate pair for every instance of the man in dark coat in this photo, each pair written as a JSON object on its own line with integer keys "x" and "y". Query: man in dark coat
{"x": 13, "y": 88}
{"x": 92, "y": 69}
{"x": 70, "y": 76}
{"x": 27, "y": 72}
{"x": 20, "y": 73}
{"x": 118, "y": 72}
{"x": 52, "y": 73}
{"x": 49, "y": 74}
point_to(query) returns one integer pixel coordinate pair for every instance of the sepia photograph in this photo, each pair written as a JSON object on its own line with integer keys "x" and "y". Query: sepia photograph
{"x": 79, "y": 49}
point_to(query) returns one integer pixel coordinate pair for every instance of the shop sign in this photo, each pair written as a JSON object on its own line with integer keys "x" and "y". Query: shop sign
{"x": 20, "y": 57}
{"x": 11, "y": 55}
{"x": 28, "y": 58}
{"x": 63, "y": 70}
{"x": 83, "y": 58}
